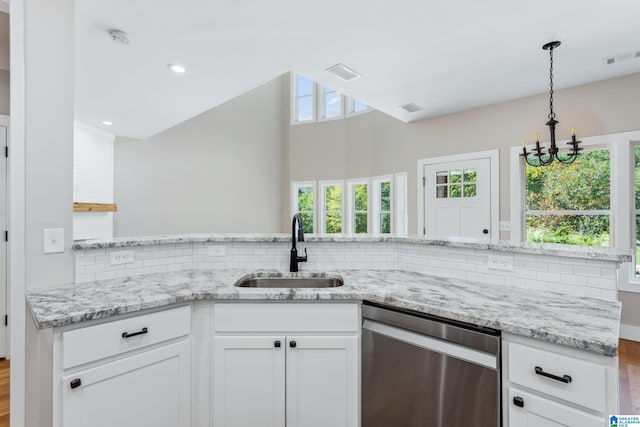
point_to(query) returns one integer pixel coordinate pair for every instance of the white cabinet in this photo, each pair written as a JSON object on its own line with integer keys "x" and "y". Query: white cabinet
{"x": 303, "y": 372}
{"x": 130, "y": 372}
{"x": 537, "y": 411}
{"x": 248, "y": 381}
{"x": 148, "y": 389}
{"x": 547, "y": 385}
{"x": 322, "y": 369}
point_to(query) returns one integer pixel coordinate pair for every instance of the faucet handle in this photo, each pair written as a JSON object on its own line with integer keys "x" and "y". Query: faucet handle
{"x": 303, "y": 258}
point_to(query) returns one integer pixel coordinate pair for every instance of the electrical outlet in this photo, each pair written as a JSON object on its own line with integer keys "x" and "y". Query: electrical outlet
{"x": 500, "y": 262}
{"x": 122, "y": 257}
{"x": 216, "y": 250}
{"x": 505, "y": 226}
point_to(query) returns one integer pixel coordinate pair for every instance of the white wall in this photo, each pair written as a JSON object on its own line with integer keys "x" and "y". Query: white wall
{"x": 92, "y": 180}
{"x": 48, "y": 177}
{"x": 221, "y": 171}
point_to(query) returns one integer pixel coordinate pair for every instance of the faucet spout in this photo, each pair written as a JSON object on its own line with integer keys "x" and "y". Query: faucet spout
{"x": 294, "y": 258}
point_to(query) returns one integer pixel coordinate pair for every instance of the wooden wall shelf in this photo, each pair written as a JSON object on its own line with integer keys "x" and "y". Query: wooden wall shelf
{"x": 94, "y": 207}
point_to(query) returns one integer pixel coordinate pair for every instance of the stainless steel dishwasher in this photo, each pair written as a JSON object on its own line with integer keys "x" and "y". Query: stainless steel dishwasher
{"x": 422, "y": 371}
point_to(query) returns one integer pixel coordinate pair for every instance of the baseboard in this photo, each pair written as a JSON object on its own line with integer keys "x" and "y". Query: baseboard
{"x": 630, "y": 332}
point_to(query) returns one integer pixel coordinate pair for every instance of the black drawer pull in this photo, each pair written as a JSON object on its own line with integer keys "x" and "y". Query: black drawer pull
{"x": 75, "y": 383}
{"x": 564, "y": 379}
{"x": 276, "y": 344}
{"x": 292, "y": 344}
{"x": 518, "y": 401}
{"x": 133, "y": 334}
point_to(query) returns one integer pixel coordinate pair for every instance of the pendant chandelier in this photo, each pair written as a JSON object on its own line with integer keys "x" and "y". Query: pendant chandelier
{"x": 538, "y": 156}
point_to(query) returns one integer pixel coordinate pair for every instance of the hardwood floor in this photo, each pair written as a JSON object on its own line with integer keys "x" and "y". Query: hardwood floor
{"x": 4, "y": 393}
{"x": 629, "y": 366}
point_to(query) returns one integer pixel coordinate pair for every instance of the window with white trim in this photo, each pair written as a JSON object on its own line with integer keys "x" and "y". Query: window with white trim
{"x": 570, "y": 204}
{"x": 355, "y": 107}
{"x": 382, "y": 196}
{"x": 358, "y": 206}
{"x": 330, "y": 104}
{"x": 332, "y": 207}
{"x": 312, "y": 102}
{"x": 304, "y": 93}
{"x": 402, "y": 218}
{"x": 303, "y": 202}
{"x": 636, "y": 209}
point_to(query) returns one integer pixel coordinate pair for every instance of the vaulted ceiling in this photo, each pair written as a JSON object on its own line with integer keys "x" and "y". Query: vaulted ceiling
{"x": 445, "y": 56}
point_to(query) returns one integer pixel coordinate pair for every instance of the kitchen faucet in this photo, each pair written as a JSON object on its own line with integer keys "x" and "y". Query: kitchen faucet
{"x": 295, "y": 259}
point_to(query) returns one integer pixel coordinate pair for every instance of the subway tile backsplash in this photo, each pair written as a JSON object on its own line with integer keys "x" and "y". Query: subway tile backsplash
{"x": 591, "y": 278}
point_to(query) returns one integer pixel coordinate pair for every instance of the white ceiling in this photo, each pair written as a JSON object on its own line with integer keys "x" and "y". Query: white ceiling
{"x": 445, "y": 56}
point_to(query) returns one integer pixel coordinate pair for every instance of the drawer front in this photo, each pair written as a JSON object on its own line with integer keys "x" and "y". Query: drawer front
{"x": 109, "y": 339}
{"x": 586, "y": 387}
{"x": 286, "y": 317}
{"x": 537, "y": 411}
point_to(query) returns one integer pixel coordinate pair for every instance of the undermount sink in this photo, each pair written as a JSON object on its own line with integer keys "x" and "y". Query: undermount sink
{"x": 290, "y": 282}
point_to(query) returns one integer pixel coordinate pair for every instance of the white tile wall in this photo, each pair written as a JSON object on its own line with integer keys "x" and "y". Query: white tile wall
{"x": 566, "y": 275}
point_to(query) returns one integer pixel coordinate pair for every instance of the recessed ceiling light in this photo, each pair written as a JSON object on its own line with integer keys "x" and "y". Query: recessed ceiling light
{"x": 106, "y": 123}
{"x": 343, "y": 72}
{"x": 177, "y": 68}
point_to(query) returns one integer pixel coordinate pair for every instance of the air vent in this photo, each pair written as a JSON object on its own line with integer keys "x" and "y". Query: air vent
{"x": 411, "y": 107}
{"x": 343, "y": 72}
{"x": 621, "y": 58}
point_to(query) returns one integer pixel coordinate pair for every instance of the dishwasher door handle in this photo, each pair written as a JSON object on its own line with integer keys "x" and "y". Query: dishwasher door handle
{"x": 433, "y": 344}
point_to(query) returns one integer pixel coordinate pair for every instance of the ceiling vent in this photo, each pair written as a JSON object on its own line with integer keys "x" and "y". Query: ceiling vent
{"x": 621, "y": 58}
{"x": 343, "y": 72}
{"x": 411, "y": 107}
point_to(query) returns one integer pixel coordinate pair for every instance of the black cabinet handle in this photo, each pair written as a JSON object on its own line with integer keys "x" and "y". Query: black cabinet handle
{"x": 76, "y": 383}
{"x": 485, "y": 231}
{"x": 276, "y": 344}
{"x": 518, "y": 401}
{"x": 133, "y": 334}
{"x": 292, "y": 344}
{"x": 563, "y": 379}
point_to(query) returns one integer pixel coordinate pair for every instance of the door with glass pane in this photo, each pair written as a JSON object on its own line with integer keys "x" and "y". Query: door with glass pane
{"x": 458, "y": 199}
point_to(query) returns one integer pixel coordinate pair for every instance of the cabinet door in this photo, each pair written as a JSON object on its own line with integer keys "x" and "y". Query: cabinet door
{"x": 248, "y": 381}
{"x": 541, "y": 412}
{"x": 147, "y": 389}
{"x": 322, "y": 381}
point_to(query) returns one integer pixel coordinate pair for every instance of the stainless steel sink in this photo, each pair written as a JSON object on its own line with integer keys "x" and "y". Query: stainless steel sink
{"x": 290, "y": 282}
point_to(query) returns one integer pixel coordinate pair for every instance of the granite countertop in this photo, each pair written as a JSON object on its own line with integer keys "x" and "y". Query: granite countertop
{"x": 571, "y": 251}
{"x": 584, "y": 323}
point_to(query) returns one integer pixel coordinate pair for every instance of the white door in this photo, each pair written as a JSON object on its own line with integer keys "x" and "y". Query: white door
{"x": 248, "y": 381}
{"x": 322, "y": 381}
{"x": 537, "y": 411}
{"x": 149, "y": 389}
{"x": 3, "y": 244}
{"x": 457, "y": 198}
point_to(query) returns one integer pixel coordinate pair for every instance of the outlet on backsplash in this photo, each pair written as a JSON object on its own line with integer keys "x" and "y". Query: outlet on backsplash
{"x": 500, "y": 262}
{"x": 216, "y": 250}
{"x": 121, "y": 257}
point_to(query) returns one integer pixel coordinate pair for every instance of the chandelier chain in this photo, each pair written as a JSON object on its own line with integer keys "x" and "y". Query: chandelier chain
{"x": 552, "y": 115}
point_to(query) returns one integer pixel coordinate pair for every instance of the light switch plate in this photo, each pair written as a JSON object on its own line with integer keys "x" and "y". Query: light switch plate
{"x": 52, "y": 240}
